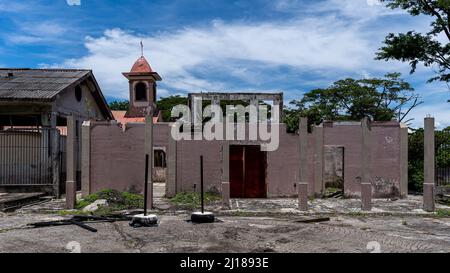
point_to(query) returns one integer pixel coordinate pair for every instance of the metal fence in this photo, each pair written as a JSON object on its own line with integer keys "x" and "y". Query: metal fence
{"x": 443, "y": 157}
{"x": 26, "y": 157}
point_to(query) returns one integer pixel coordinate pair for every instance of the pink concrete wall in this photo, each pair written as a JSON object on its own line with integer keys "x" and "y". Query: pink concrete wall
{"x": 385, "y": 151}
{"x": 117, "y": 159}
{"x": 283, "y": 166}
{"x": 188, "y": 165}
{"x": 117, "y": 156}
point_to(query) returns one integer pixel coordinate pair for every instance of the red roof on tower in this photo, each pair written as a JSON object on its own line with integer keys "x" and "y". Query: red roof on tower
{"x": 141, "y": 66}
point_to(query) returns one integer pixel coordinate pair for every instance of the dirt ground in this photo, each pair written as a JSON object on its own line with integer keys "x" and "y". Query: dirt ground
{"x": 233, "y": 234}
{"x": 254, "y": 226}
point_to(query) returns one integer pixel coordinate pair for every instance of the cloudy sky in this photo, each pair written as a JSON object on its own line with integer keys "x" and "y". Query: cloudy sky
{"x": 219, "y": 45}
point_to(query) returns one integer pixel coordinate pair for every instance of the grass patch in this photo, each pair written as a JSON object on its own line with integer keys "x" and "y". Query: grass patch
{"x": 116, "y": 200}
{"x": 192, "y": 199}
{"x": 443, "y": 213}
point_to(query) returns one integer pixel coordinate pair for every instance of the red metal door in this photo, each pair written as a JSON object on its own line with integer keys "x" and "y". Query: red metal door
{"x": 247, "y": 172}
{"x": 237, "y": 171}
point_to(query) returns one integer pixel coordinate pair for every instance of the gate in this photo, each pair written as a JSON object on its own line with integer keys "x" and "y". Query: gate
{"x": 443, "y": 158}
{"x": 26, "y": 157}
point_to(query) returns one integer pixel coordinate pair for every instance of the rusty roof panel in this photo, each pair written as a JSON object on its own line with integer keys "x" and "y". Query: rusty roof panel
{"x": 36, "y": 84}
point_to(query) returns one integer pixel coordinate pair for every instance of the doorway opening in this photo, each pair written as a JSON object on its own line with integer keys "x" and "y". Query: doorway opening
{"x": 248, "y": 165}
{"x": 334, "y": 170}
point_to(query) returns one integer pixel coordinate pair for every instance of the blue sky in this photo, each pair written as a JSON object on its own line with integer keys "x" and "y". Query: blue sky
{"x": 220, "y": 45}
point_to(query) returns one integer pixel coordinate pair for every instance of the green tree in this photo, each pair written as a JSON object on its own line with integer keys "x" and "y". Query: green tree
{"x": 379, "y": 99}
{"x": 416, "y": 48}
{"x": 119, "y": 105}
{"x": 416, "y": 156}
{"x": 166, "y": 104}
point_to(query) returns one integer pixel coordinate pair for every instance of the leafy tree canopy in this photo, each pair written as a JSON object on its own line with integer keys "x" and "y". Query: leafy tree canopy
{"x": 119, "y": 105}
{"x": 166, "y": 105}
{"x": 425, "y": 48}
{"x": 380, "y": 99}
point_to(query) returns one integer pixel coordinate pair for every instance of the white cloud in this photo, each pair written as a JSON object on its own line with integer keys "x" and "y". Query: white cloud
{"x": 439, "y": 110}
{"x": 304, "y": 44}
{"x": 44, "y": 32}
{"x": 191, "y": 59}
{"x": 73, "y": 2}
{"x": 355, "y": 9}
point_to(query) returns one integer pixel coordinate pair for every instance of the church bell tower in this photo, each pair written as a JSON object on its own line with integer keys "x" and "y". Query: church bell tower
{"x": 142, "y": 80}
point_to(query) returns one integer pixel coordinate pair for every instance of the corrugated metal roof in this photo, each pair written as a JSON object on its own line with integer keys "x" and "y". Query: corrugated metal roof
{"x": 36, "y": 84}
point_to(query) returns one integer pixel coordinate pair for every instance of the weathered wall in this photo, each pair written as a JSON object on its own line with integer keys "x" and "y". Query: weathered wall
{"x": 188, "y": 165}
{"x": 117, "y": 159}
{"x": 117, "y": 156}
{"x": 384, "y": 150}
{"x": 84, "y": 109}
{"x": 283, "y": 166}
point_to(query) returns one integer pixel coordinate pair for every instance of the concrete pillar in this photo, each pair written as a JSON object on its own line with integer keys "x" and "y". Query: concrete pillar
{"x": 403, "y": 161}
{"x": 86, "y": 159}
{"x": 366, "y": 194}
{"x": 279, "y": 103}
{"x": 319, "y": 185}
{"x": 226, "y": 174}
{"x": 302, "y": 196}
{"x": 303, "y": 166}
{"x": 171, "y": 183}
{"x": 429, "y": 185}
{"x": 55, "y": 137}
{"x": 71, "y": 162}
{"x": 225, "y": 162}
{"x": 148, "y": 148}
{"x": 225, "y": 195}
{"x": 197, "y": 116}
{"x": 303, "y": 152}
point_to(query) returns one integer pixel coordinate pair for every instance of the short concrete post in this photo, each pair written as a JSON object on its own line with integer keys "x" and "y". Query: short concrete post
{"x": 303, "y": 196}
{"x": 149, "y": 150}
{"x": 429, "y": 186}
{"x": 366, "y": 196}
{"x": 226, "y": 195}
{"x": 366, "y": 186}
{"x": 71, "y": 152}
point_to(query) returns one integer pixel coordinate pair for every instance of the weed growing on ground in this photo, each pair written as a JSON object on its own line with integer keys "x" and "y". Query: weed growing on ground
{"x": 116, "y": 201}
{"x": 443, "y": 213}
{"x": 192, "y": 200}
